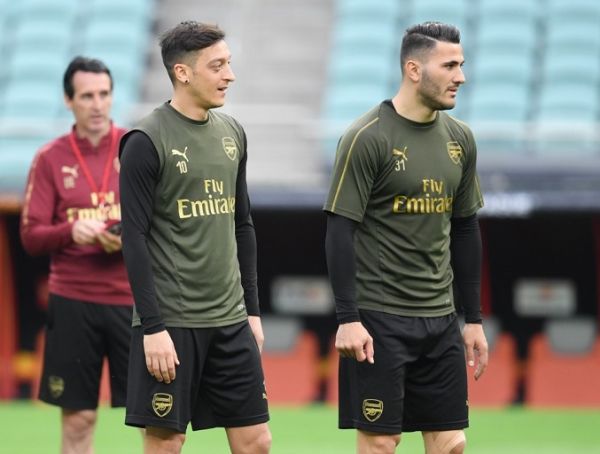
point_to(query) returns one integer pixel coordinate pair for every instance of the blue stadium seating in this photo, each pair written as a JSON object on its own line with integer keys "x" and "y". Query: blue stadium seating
{"x": 502, "y": 38}
{"x": 568, "y": 67}
{"x": 569, "y": 102}
{"x": 36, "y": 65}
{"x": 529, "y": 64}
{"x": 59, "y": 11}
{"x": 118, "y": 36}
{"x": 43, "y": 34}
{"x": 380, "y": 9}
{"x": 40, "y": 37}
{"x": 573, "y": 11}
{"x": 363, "y": 69}
{"x": 131, "y": 10}
{"x": 440, "y": 10}
{"x": 31, "y": 100}
{"x": 492, "y": 68}
{"x": 507, "y": 10}
{"x": 499, "y": 101}
{"x": 573, "y": 37}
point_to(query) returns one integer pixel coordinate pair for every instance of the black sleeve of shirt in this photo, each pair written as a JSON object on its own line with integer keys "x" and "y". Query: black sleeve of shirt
{"x": 137, "y": 181}
{"x": 465, "y": 249}
{"x": 341, "y": 264}
{"x": 245, "y": 236}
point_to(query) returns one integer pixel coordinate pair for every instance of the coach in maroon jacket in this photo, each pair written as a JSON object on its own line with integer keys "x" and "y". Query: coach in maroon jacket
{"x": 72, "y": 212}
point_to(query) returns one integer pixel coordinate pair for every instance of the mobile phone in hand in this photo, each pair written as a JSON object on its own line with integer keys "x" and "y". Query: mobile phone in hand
{"x": 114, "y": 227}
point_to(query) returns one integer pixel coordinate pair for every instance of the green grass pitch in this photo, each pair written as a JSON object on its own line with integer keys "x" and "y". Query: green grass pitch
{"x": 32, "y": 428}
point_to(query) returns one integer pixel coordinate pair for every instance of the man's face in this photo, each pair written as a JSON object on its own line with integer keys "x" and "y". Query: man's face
{"x": 441, "y": 76}
{"x": 91, "y": 102}
{"x": 211, "y": 76}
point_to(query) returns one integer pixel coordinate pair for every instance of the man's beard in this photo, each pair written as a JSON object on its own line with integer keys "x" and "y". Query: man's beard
{"x": 430, "y": 93}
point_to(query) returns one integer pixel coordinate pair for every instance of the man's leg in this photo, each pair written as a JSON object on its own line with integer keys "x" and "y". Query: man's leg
{"x": 159, "y": 440}
{"x": 254, "y": 439}
{"x": 376, "y": 443}
{"x": 78, "y": 431}
{"x": 445, "y": 442}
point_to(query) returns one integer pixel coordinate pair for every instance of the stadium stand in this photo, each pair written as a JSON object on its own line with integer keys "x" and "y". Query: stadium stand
{"x": 519, "y": 57}
{"x": 456, "y": 13}
{"x": 304, "y": 75}
{"x": 290, "y": 361}
{"x": 39, "y": 38}
{"x": 564, "y": 365}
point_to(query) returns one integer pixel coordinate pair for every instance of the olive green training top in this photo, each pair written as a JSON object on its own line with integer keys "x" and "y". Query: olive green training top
{"x": 192, "y": 240}
{"x": 403, "y": 182}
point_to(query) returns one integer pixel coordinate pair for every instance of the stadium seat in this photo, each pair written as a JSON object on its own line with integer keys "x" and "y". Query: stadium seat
{"x": 565, "y": 122}
{"x": 570, "y": 68}
{"x": 290, "y": 361}
{"x": 583, "y": 12}
{"x": 131, "y": 10}
{"x": 499, "y": 101}
{"x": 362, "y": 69}
{"x": 58, "y": 11}
{"x": 43, "y": 34}
{"x": 116, "y": 36}
{"x": 454, "y": 13}
{"x": 365, "y": 35}
{"x": 564, "y": 365}
{"x": 344, "y": 103}
{"x": 493, "y": 42}
{"x": 574, "y": 38}
{"x": 15, "y": 160}
{"x": 497, "y": 387}
{"x": 573, "y": 102}
{"x": 491, "y": 68}
{"x": 508, "y": 9}
{"x": 19, "y": 67}
{"x": 360, "y": 8}
{"x": 29, "y": 100}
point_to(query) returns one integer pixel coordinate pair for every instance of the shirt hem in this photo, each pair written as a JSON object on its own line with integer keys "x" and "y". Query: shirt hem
{"x": 420, "y": 312}
{"x": 198, "y": 324}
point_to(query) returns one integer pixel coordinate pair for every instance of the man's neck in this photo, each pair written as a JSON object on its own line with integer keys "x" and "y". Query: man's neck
{"x": 187, "y": 108}
{"x": 408, "y": 106}
{"x": 94, "y": 137}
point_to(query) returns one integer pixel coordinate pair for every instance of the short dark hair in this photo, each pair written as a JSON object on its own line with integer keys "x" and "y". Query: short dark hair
{"x": 85, "y": 64}
{"x": 184, "y": 39}
{"x": 423, "y": 37}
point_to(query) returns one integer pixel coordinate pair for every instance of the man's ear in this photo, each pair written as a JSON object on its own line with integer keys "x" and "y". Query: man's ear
{"x": 412, "y": 70}
{"x": 181, "y": 72}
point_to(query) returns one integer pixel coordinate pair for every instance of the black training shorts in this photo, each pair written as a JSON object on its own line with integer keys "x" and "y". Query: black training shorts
{"x": 219, "y": 382}
{"x": 418, "y": 381}
{"x": 79, "y": 335}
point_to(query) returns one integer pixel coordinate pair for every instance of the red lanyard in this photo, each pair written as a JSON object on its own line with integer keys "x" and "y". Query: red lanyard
{"x": 86, "y": 170}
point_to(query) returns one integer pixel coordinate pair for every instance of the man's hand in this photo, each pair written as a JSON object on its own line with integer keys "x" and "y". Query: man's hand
{"x": 477, "y": 347}
{"x": 109, "y": 241}
{"x": 85, "y": 231}
{"x": 161, "y": 357}
{"x": 256, "y": 327}
{"x": 353, "y": 341}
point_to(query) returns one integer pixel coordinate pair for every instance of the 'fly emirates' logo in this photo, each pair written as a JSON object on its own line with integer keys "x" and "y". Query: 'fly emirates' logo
{"x": 214, "y": 202}
{"x": 432, "y": 200}
{"x": 109, "y": 210}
